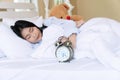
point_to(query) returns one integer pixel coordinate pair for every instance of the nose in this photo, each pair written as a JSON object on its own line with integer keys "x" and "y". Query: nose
{"x": 33, "y": 35}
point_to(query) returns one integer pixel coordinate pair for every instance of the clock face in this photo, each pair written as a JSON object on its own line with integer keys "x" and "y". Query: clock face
{"x": 63, "y": 53}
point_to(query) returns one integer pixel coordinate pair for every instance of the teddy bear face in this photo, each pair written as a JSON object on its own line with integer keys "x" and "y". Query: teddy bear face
{"x": 60, "y": 11}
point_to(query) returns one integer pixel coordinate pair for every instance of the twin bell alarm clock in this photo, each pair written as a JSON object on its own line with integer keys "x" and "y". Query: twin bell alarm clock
{"x": 64, "y": 51}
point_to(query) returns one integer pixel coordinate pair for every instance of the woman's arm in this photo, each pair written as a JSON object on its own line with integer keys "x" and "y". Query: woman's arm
{"x": 79, "y": 23}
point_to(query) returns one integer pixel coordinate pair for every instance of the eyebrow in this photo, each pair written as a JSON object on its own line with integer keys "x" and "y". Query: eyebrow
{"x": 30, "y": 29}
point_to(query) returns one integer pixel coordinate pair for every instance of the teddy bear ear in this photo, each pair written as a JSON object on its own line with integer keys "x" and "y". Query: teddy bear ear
{"x": 65, "y": 5}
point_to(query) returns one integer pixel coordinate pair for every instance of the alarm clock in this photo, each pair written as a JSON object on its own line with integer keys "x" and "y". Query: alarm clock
{"x": 64, "y": 51}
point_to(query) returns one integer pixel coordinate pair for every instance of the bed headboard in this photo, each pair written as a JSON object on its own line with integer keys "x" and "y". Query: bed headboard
{"x": 17, "y": 10}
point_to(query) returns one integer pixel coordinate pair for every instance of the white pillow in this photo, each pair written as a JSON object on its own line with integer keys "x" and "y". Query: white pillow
{"x": 36, "y": 20}
{"x": 13, "y": 46}
{"x": 1, "y": 54}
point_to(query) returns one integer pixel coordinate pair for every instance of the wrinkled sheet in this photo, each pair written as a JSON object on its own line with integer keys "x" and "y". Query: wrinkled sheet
{"x": 100, "y": 38}
{"x": 50, "y": 69}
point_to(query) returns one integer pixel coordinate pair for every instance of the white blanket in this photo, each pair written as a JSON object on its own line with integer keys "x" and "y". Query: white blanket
{"x": 98, "y": 38}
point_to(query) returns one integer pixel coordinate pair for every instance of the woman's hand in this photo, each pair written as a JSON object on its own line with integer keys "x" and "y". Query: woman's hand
{"x": 62, "y": 39}
{"x": 72, "y": 38}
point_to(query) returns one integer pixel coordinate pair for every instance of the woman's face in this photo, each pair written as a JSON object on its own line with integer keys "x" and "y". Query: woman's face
{"x": 31, "y": 34}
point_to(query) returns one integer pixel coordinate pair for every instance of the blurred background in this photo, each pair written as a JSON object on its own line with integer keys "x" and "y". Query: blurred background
{"x": 86, "y": 8}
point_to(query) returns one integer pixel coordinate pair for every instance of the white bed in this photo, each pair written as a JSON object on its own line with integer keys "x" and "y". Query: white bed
{"x": 50, "y": 69}
{"x": 47, "y": 68}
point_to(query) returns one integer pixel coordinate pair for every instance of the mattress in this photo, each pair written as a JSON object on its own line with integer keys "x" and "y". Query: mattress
{"x": 50, "y": 69}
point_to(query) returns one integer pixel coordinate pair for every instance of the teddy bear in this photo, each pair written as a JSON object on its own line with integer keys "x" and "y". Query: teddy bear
{"x": 61, "y": 11}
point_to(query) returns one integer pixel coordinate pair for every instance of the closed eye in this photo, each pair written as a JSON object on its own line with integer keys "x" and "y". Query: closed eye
{"x": 27, "y": 37}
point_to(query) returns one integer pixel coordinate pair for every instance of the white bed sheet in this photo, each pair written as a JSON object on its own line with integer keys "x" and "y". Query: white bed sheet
{"x": 50, "y": 69}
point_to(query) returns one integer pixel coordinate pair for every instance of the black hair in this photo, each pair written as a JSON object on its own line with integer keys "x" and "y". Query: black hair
{"x": 21, "y": 24}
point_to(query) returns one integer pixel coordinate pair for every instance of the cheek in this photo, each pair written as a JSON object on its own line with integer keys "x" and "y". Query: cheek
{"x": 36, "y": 30}
{"x": 39, "y": 32}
